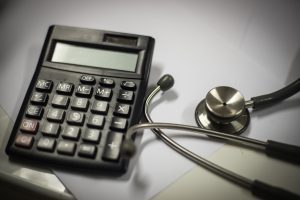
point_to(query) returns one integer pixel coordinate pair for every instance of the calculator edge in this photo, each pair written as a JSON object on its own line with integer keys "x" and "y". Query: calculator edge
{"x": 41, "y": 60}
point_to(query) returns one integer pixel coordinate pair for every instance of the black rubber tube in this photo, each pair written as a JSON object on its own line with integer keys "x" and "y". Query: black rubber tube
{"x": 266, "y": 191}
{"x": 269, "y": 99}
{"x": 283, "y": 151}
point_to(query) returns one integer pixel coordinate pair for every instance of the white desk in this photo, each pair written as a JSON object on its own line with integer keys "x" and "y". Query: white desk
{"x": 250, "y": 45}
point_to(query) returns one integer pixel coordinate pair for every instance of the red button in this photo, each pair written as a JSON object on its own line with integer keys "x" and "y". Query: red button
{"x": 24, "y": 141}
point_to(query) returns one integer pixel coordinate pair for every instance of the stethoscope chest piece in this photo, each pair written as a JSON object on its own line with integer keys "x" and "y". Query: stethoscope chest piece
{"x": 223, "y": 110}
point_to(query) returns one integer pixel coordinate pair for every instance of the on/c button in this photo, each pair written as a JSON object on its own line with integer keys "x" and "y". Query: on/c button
{"x": 29, "y": 126}
{"x": 24, "y": 141}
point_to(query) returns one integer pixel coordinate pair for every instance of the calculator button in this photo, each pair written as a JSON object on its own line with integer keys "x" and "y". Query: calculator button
{"x": 66, "y": 147}
{"x": 46, "y": 144}
{"x": 126, "y": 96}
{"x": 44, "y": 85}
{"x": 96, "y": 121}
{"x": 103, "y": 93}
{"x": 99, "y": 107}
{"x": 25, "y": 141}
{"x": 80, "y": 104}
{"x": 60, "y": 101}
{"x": 71, "y": 132}
{"x": 84, "y": 91}
{"x": 91, "y": 135}
{"x": 29, "y": 126}
{"x": 128, "y": 85}
{"x": 76, "y": 118}
{"x": 39, "y": 98}
{"x": 107, "y": 82}
{"x": 112, "y": 146}
{"x": 51, "y": 129}
{"x": 65, "y": 88}
{"x": 34, "y": 112}
{"x": 56, "y": 115}
{"x": 119, "y": 124}
{"x": 122, "y": 110}
{"x": 87, "y": 150}
{"x": 86, "y": 79}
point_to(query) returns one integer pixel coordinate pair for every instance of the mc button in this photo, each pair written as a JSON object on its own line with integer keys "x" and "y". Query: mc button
{"x": 44, "y": 85}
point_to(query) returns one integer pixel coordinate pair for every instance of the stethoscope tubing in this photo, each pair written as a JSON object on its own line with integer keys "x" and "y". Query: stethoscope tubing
{"x": 258, "y": 188}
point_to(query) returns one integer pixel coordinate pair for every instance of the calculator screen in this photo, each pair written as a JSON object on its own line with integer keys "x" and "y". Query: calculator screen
{"x": 87, "y": 56}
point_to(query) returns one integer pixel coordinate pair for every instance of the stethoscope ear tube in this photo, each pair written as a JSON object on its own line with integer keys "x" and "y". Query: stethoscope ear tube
{"x": 283, "y": 151}
{"x": 272, "y": 98}
{"x": 272, "y": 148}
{"x": 266, "y": 191}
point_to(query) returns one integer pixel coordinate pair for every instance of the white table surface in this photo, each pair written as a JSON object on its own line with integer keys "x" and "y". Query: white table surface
{"x": 251, "y": 45}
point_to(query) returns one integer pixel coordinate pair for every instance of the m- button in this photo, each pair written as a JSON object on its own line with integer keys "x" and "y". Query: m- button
{"x": 84, "y": 91}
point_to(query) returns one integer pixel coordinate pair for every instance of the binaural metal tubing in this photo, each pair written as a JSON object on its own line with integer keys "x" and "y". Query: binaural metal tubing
{"x": 236, "y": 178}
{"x": 272, "y": 148}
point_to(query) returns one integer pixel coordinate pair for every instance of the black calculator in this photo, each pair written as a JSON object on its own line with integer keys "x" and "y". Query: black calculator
{"x": 88, "y": 88}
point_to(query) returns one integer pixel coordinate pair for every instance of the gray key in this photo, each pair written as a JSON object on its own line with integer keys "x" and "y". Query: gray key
{"x": 51, "y": 129}
{"x": 46, "y": 144}
{"x": 66, "y": 147}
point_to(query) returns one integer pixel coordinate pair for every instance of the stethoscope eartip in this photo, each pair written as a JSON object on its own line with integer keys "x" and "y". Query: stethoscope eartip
{"x": 166, "y": 82}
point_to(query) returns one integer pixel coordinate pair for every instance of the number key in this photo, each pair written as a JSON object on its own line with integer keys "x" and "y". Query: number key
{"x": 56, "y": 115}
{"x": 71, "y": 132}
{"x": 100, "y": 107}
{"x": 96, "y": 121}
{"x": 46, "y": 144}
{"x": 76, "y": 118}
{"x": 60, "y": 101}
{"x": 80, "y": 104}
{"x": 91, "y": 135}
{"x": 51, "y": 129}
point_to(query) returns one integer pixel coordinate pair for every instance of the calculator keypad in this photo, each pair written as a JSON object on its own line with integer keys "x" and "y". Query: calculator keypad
{"x": 84, "y": 119}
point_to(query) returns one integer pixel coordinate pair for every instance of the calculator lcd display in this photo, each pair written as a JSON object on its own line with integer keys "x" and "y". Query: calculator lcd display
{"x": 87, "y": 56}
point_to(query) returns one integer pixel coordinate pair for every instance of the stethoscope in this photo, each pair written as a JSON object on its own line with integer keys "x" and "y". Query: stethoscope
{"x": 220, "y": 116}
